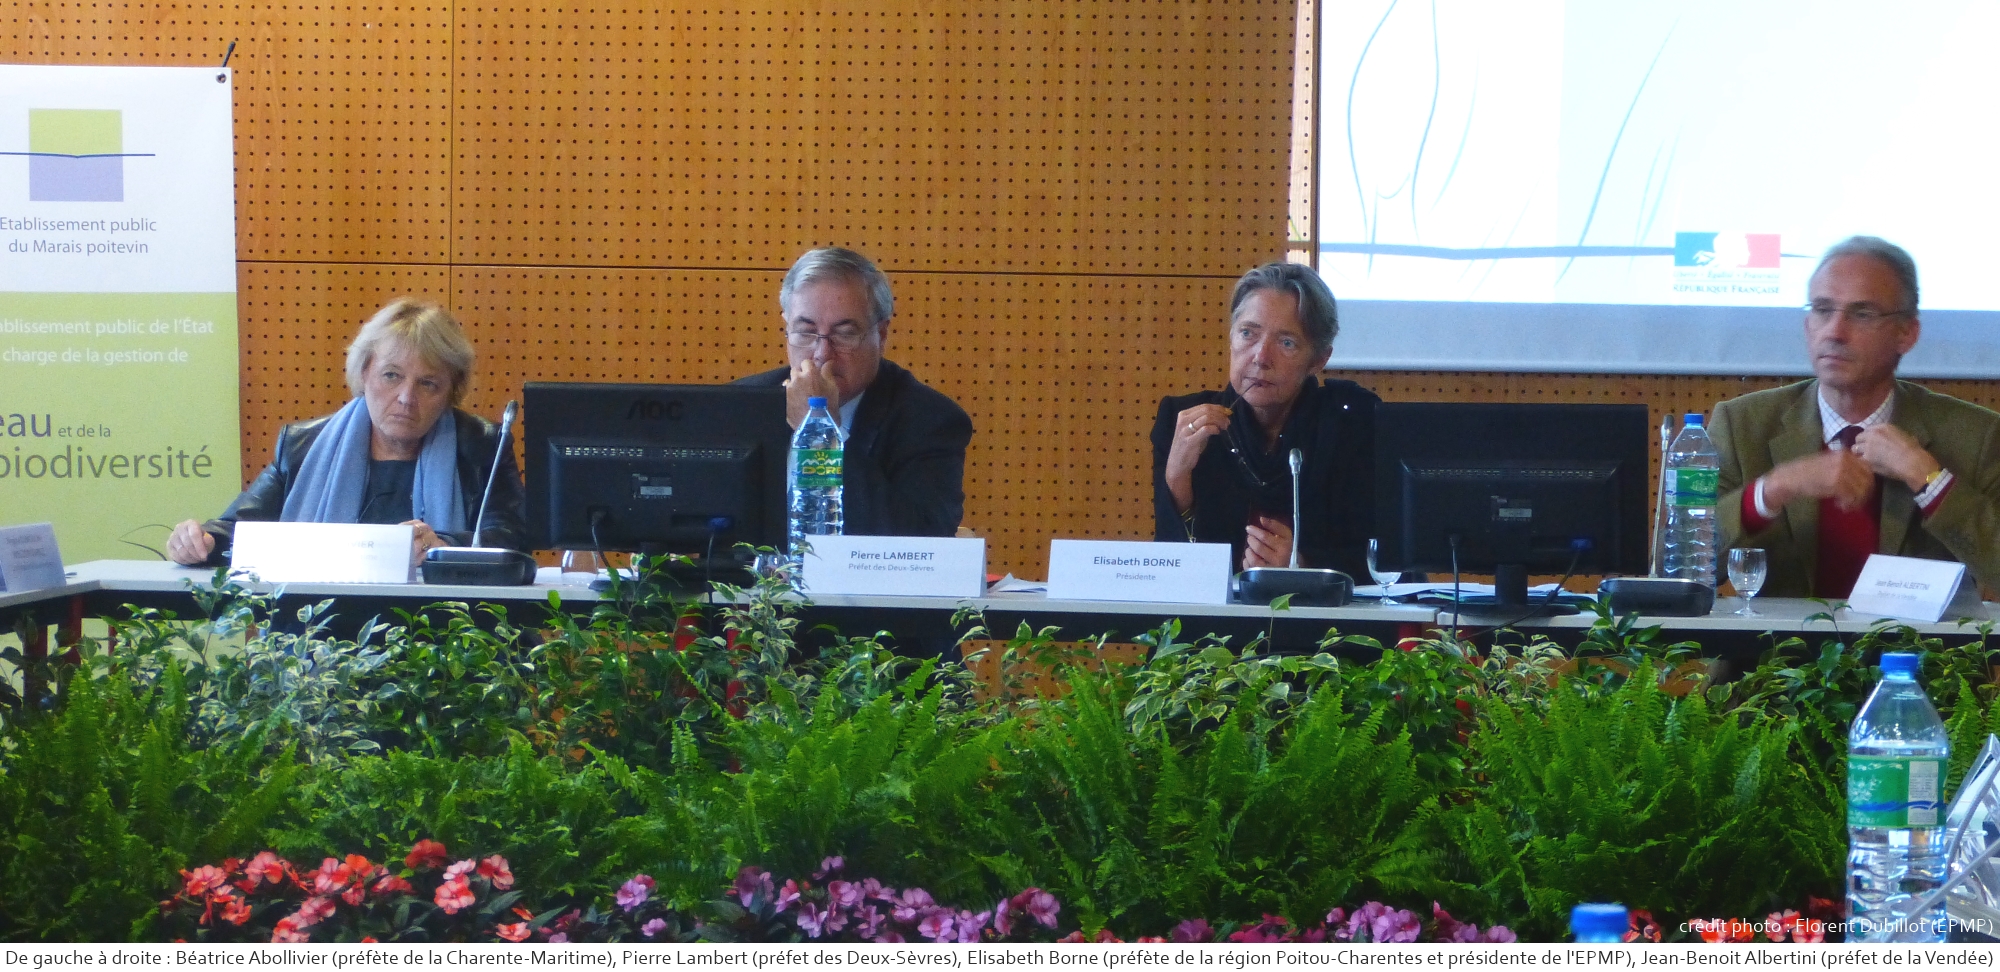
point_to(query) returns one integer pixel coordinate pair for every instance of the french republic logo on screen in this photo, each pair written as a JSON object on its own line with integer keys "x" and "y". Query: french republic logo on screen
{"x": 76, "y": 155}
{"x": 1727, "y": 251}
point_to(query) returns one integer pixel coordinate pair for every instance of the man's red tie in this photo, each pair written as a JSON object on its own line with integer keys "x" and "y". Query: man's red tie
{"x": 1846, "y": 537}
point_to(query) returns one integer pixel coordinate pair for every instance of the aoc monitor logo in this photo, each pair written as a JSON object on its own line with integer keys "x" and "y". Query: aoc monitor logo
{"x": 76, "y": 155}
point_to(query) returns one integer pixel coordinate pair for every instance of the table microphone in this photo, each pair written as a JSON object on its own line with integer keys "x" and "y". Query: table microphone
{"x": 475, "y": 565}
{"x": 1308, "y": 586}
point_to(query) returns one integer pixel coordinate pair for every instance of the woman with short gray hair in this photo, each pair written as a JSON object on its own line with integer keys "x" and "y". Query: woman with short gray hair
{"x": 399, "y": 452}
{"x": 1220, "y": 458}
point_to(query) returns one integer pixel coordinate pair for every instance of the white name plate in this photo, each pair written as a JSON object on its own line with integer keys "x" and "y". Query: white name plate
{"x": 1909, "y": 588}
{"x": 29, "y": 559}
{"x": 920, "y": 566}
{"x": 1136, "y": 570}
{"x": 322, "y": 553}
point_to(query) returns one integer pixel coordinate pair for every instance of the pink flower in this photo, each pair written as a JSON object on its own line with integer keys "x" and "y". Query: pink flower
{"x": 787, "y": 895}
{"x": 1197, "y": 930}
{"x": 1003, "y": 918}
{"x": 454, "y": 895}
{"x": 356, "y": 894}
{"x": 427, "y": 854}
{"x": 653, "y": 927}
{"x": 937, "y": 926}
{"x": 828, "y": 866}
{"x": 495, "y": 869}
{"x": 751, "y": 882}
{"x": 288, "y": 930}
{"x": 1809, "y": 931}
{"x": 331, "y": 877}
{"x": 1499, "y": 933}
{"x": 869, "y": 921}
{"x": 461, "y": 868}
{"x": 516, "y": 932}
{"x": 559, "y": 938}
{"x": 265, "y": 867}
{"x": 634, "y": 893}
{"x": 874, "y": 891}
{"x": 1780, "y": 923}
{"x": 811, "y": 919}
{"x": 1040, "y": 905}
{"x": 312, "y": 911}
{"x": 910, "y": 902}
{"x": 844, "y": 894}
{"x": 970, "y": 925}
{"x": 200, "y": 881}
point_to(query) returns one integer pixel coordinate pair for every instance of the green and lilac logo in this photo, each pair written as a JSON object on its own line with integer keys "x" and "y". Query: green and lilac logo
{"x": 76, "y": 155}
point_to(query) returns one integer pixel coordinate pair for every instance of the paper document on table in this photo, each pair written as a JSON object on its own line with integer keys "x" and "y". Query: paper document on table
{"x": 1015, "y": 585}
{"x": 1436, "y": 591}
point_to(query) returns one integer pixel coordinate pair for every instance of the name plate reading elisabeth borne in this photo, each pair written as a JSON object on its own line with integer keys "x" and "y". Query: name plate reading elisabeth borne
{"x": 919, "y": 566}
{"x": 1135, "y": 570}
{"x": 1907, "y": 588}
{"x": 322, "y": 553}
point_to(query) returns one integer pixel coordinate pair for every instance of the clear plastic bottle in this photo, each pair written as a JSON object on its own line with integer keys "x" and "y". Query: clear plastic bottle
{"x": 1598, "y": 923}
{"x": 813, "y": 484}
{"x": 1692, "y": 465}
{"x": 1896, "y": 756}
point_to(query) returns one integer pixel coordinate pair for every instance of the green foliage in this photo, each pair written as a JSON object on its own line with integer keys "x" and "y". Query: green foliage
{"x": 106, "y": 798}
{"x": 1636, "y": 797}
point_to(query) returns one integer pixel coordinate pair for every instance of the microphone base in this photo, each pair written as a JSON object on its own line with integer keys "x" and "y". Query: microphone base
{"x": 1670, "y": 597}
{"x": 478, "y": 567}
{"x": 1308, "y": 586}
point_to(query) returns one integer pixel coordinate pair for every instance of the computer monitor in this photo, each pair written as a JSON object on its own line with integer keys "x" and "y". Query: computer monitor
{"x": 655, "y": 468}
{"x": 1510, "y": 489}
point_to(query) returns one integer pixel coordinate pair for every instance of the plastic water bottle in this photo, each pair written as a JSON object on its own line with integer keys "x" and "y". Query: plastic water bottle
{"x": 813, "y": 483}
{"x": 1896, "y": 755}
{"x": 1598, "y": 923}
{"x": 1692, "y": 466}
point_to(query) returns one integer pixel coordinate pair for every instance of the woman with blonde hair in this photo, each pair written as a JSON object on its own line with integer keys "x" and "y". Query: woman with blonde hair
{"x": 400, "y": 452}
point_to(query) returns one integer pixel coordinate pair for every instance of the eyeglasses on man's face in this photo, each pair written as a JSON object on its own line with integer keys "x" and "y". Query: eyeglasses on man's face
{"x": 842, "y": 338}
{"x": 1861, "y": 314}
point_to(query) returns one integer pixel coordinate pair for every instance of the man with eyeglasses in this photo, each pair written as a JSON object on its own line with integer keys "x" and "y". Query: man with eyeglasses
{"x": 904, "y": 461}
{"x": 1824, "y": 472}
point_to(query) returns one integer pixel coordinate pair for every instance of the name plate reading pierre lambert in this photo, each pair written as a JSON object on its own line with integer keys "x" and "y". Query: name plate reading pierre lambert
{"x": 916, "y": 566}
{"x": 1134, "y": 570}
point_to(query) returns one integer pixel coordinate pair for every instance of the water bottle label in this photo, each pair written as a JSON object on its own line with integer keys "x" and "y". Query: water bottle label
{"x": 1691, "y": 487}
{"x": 818, "y": 468}
{"x": 1890, "y": 791}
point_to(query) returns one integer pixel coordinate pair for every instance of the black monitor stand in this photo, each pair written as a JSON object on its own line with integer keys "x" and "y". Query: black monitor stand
{"x": 1510, "y": 595}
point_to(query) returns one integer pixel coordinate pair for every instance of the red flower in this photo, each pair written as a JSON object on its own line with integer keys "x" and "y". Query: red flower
{"x": 331, "y": 878}
{"x": 359, "y": 866}
{"x": 516, "y": 932}
{"x": 1809, "y": 931}
{"x": 495, "y": 869}
{"x": 427, "y": 854}
{"x": 392, "y": 884}
{"x": 236, "y": 912}
{"x": 200, "y": 881}
{"x": 356, "y": 894}
{"x": 454, "y": 895}
{"x": 288, "y": 930}
{"x": 1642, "y": 927}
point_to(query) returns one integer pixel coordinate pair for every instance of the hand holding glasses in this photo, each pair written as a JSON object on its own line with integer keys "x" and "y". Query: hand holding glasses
{"x": 1746, "y": 573}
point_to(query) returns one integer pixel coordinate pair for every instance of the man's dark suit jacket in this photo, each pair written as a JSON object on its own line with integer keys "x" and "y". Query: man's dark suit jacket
{"x": 904, "y": 463}
{"x": 1332, "y": 423}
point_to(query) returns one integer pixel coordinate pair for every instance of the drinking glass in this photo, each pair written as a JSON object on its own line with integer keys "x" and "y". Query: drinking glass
{"x": 580, "y": 567}
{"x": 1746, "y": 573}
{"x": 1382, "y": 577}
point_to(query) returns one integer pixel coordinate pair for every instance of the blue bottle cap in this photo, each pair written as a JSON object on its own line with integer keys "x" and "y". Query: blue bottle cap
{"x": 1899, "y": 663}
{"x": 815, "y": 402}
{"x": 1691, "y": 418}
{"x": 1596, "y": 921}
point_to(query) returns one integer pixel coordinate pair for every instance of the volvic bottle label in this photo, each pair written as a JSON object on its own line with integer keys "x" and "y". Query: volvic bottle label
{"x": 1691, "y": 487}
{"x": 1891, "y": 791}
{"x": 818, "y": 468}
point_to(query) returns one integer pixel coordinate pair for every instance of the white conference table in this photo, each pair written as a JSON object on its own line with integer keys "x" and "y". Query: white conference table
{"x": 99, "y": 584}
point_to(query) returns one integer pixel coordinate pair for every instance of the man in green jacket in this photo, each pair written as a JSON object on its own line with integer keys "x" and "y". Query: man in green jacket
{"x": 1825, "y": 472}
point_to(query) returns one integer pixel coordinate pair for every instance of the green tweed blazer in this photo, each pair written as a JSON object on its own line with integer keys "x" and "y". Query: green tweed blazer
{"x": 1763, "y": 429}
